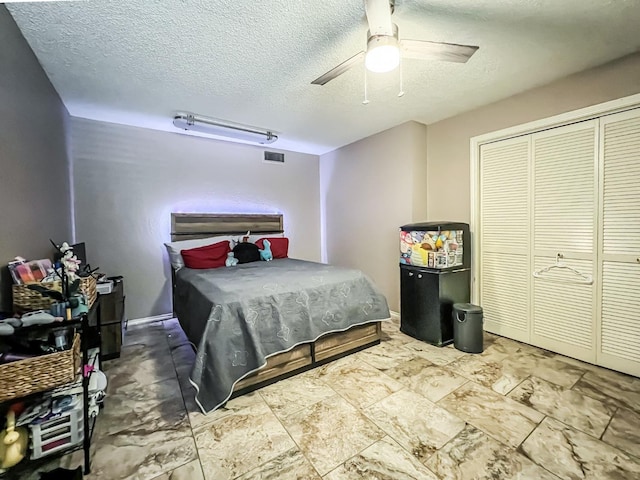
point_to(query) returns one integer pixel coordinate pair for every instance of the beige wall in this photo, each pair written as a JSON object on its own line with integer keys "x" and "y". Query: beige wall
{"x": 129, "y": 180}
{"x": 369, "y": 189}
{"x": 448, "y": 173}
{"x": 34, "y": 166}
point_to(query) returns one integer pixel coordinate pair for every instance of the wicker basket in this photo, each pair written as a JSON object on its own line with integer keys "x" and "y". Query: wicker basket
{"x": 89, "y": 287}
{"x": 37, "y": 374}
{"x": 27, "y": 300}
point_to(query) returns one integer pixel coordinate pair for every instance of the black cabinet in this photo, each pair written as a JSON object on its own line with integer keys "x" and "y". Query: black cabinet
{"x": 112, "y": 316}
{"x": 426, "y": 302}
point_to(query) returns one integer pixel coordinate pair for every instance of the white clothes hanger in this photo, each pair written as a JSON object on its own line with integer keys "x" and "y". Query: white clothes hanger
{"x": 585, "y": 279}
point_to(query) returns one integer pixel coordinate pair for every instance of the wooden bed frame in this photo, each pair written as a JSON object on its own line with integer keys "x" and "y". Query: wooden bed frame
{"x": 186, "y": 226}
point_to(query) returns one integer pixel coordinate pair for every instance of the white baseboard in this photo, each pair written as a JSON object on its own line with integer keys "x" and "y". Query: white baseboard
{"x": 144, "y": 320}
{"x": 395, "y": 315}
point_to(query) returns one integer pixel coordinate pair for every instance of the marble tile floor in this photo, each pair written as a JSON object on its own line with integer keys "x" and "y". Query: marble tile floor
{"x": 400, "y": 410}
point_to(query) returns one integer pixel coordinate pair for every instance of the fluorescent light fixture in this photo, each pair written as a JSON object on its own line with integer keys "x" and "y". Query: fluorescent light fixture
{"x": 383, "y": 53}
{"x": 211, "y": 126}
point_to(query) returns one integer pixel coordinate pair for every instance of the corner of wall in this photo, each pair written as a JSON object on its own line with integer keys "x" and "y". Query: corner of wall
{"x": 68, "y": 132}
{"x": 419, "y": 174}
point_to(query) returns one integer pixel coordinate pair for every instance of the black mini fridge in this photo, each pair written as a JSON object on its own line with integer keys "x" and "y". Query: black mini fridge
{"x": 435, "y": 273}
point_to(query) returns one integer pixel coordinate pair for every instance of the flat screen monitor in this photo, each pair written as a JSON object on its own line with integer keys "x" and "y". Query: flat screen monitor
{"x": 80, "y": 252}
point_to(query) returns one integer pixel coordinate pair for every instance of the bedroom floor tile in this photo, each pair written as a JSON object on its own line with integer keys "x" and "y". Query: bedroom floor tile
{"x": 624, "y": 432}
{"x": 395, "y": 336}
{"x": 150, "y": 333}
{"x": 385, "y": 460}
{"x": 611, "y": 387}
{"x": 385, "y": 356}
{"x": 420, "y": 426}
{"x": 506, "y": 420}
{"x": 330, "y": 432}
{"x": 139, "y": 351}
{"x": 430, "y": 381}
{"x": 235, "y": 406}
{"x": 547, "y": 366}
{"x": 175, "y": 334}
{"x": 183, "y": 357}
{"x": 436, "y": 355}
{"x": 572, "y": 454}
{"x": 123, "y": 396}
{"x": 569, "y": 406}
{"x": 119, "y": 414}
{"x": 188, "y": 471}
{"x": 358, "y": 382}
{"x": 143, "y": 371}
{"x": 291, "y": 465}
{"x": 293, "y": 394}
{"x": 142, "y": 453}
{"x": 498, "y": 376}
{"x": 502, "y": 348}
{"x": 474, "y": 455}
{"x": 238, "y": 443}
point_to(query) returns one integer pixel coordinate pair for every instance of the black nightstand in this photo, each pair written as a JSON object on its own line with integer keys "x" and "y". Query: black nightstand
{"x": 111, "y": 320}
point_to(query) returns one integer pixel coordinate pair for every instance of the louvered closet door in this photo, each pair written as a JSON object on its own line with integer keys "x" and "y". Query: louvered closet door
{"x": 619, "y": 346}
{"x": 504, "y": 237}
{"x": 564, "y": 226}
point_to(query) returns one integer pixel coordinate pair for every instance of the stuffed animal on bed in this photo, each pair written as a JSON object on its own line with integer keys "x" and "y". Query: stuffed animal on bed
{"x": 265, "y": 253}
{"x": 231, "y": 261}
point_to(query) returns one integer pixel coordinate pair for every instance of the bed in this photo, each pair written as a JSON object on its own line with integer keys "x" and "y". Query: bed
{"x": 259, "y": 322}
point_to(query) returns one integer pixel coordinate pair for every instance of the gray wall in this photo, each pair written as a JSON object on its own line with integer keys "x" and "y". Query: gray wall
{"x": 34, "y": 165}
{"x": 369, "y": 189}
{"x": 129, "y": 180}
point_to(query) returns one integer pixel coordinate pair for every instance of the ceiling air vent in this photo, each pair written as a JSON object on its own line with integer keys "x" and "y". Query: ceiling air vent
{"x": 273, "y": 157}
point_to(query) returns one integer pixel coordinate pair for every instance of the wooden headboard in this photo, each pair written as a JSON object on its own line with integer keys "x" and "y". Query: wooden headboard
{"x": 188, "y": 226}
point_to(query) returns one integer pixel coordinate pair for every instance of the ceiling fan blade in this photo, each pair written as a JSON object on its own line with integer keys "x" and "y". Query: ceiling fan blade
{"x": 447, "y": 52}
{"x": 339, "y": 70}
{"x": 379, "y": 17}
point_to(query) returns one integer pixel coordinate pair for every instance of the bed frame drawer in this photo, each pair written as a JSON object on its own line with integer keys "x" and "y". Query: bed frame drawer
{"x": 278, "y": 365}
{"x": 335, "y": 344}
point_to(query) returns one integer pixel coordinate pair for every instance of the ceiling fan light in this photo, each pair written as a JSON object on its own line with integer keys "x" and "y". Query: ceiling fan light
{"x": 383, "y": 53}
{"x": 382, "y": 58}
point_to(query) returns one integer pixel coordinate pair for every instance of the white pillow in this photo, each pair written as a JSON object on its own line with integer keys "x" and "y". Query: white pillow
{"x": 174, "y": 248}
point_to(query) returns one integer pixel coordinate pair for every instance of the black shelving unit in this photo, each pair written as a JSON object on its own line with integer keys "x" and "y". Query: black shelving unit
{"x": 112, "y": 321}
{"x": 88, "y": 326}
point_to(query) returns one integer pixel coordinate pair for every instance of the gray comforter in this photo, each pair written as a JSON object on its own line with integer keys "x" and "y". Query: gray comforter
{"x": 239, "y": 316}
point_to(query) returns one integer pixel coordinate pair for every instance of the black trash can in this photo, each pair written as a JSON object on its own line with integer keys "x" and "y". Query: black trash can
{"x": 467, "y": 327}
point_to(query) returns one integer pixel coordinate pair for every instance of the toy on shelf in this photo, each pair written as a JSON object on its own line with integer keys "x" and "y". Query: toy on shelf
{"x": 431, "y": 248}
{"x": 406, "y": 242}
{"x": 13, "y": 443}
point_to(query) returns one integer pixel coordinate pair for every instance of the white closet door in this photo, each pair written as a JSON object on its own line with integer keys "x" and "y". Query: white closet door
{"x": 619, "y": 347}
{"x": 504, "y": 237}
{"x": 564, "y": 225}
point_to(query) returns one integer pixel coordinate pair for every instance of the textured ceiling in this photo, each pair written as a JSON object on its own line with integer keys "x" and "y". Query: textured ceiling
{"x": 138, "y": 61}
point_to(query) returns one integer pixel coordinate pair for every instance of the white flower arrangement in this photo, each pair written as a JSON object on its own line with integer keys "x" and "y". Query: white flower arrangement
{"x": 69, "y": 262}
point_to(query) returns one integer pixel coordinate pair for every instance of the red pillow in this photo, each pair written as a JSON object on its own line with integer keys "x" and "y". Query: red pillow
{"x": 279, "y": 246}
{"x": 209, "y": 256}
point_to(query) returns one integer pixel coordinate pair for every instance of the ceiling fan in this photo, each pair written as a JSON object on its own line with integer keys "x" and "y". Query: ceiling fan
{"x": 384, "y": 48}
